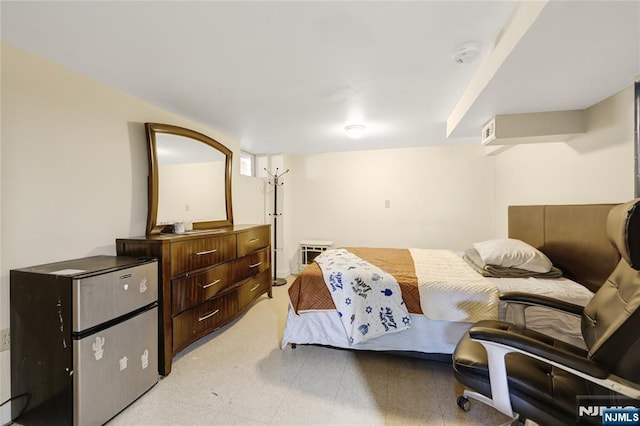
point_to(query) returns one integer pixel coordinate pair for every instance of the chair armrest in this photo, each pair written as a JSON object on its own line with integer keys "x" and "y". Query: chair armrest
{"x": 498, "y": 343}
{"x": 538, "y": 300}
{"x": 543, "y": 351}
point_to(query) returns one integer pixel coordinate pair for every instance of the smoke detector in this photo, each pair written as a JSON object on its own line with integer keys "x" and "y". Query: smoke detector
{"x": 466, "y": 52}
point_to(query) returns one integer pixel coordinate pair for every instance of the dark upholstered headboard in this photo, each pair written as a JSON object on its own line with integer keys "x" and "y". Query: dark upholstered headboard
{"x": 572, "y": 236}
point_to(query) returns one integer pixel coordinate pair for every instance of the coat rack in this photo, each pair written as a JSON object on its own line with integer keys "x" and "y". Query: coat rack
{"x": 275, "y": 176}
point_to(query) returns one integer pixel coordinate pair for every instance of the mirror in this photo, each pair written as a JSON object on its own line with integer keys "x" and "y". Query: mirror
{"x": 189, "y": 179}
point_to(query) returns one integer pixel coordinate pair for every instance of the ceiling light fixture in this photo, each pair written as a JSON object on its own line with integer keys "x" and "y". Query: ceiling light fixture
{"x": 355, "y": 131}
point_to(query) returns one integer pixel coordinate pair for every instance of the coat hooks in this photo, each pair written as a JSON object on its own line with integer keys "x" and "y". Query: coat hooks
{"x": 275, "y": 182}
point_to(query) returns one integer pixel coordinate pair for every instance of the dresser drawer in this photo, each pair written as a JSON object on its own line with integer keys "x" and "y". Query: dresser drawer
{"x": 252, "y": 240}
{"x": 193, "y": 323}
{"x": 251, "y": 264}
{"x": 254, "y": 287}
{"x": 195, "y": 289}
{"x": 193, "y": 302}
{"x": 202, "y": 252}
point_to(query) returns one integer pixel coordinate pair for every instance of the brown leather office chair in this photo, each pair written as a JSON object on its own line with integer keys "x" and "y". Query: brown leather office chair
{"x": 528, "y": 375}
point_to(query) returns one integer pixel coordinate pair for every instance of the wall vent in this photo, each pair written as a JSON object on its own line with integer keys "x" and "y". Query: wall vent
{"x": 537, "y": 127}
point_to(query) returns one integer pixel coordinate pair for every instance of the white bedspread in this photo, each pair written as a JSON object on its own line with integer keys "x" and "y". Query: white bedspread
{"x": 451, "y": 290}
{"x": 368, "y": 299}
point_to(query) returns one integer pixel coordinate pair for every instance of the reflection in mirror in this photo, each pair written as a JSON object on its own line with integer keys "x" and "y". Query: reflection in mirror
{"x": 190, "y": 179}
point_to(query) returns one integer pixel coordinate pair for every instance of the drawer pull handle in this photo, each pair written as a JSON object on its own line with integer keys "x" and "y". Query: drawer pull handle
{"x": 210, "y": 284}
{"x": 255, "y": 264}
{"x": 254, "y": 240}
{"x": 255, "y": 287}
{"x": 209, "y": 315}
{"x": 202, "y": 253}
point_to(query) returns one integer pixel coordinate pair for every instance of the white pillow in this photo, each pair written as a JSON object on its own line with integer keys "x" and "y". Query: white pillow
{"x": 511, "y": 253}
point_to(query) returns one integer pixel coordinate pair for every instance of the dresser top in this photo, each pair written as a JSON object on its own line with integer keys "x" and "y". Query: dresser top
{"x": 196, "y": 233}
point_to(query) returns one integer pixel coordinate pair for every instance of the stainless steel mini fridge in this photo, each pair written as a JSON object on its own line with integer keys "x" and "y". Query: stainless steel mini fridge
{"x": 84, "y": 338}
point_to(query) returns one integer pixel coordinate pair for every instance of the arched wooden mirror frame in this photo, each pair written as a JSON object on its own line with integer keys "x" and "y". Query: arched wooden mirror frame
{"x": 152, "y": 130}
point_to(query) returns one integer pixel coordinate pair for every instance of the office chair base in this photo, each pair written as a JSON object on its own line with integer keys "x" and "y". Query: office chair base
{"x": 465, "y": 405}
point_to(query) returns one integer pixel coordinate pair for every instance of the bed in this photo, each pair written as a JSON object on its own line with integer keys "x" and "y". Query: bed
{"x": 572, "y": 237}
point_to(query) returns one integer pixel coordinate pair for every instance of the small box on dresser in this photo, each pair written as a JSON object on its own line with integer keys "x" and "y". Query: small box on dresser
{"x": 207, "y": 278}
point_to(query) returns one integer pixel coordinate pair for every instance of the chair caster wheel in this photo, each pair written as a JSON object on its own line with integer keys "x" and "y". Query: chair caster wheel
{"x": 463, "y": 403}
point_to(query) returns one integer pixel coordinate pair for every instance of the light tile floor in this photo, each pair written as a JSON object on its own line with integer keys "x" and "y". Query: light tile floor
{"x": 240, "y": 376}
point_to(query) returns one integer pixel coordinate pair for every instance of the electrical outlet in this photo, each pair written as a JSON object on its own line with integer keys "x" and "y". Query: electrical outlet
{"x": 5, "y": 340}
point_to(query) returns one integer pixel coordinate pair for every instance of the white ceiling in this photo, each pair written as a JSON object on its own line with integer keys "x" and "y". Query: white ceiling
{"x": 287, "y": 77}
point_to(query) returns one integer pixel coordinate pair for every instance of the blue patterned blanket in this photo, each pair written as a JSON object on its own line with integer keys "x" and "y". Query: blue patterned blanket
{"x": 369, "y": 300}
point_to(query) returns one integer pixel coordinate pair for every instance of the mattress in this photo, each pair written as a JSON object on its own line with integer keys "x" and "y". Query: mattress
{"x": 425, "y": 335}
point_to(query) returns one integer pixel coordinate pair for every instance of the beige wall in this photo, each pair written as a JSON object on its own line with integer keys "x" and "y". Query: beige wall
{"x": 595, "y": 167}
{"x": 439, "y": 197}
{"x": 5, "y": 413}
{"x": 74, "y": 170}
{"x": 451, "y": 196}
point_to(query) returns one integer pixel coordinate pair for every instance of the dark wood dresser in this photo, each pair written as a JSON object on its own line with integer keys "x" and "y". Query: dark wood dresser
{"x": 206, "y": 279}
